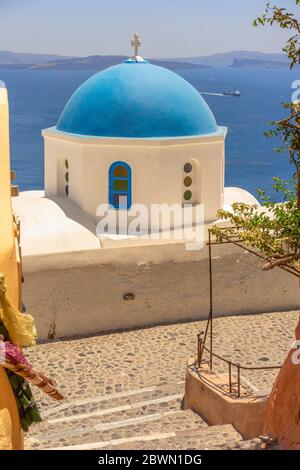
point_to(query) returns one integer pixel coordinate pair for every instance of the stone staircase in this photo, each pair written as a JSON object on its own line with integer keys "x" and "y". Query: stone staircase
{"x": 148, "y": 418}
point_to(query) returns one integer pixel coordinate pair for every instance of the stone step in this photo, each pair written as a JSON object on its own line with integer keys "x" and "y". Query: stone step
{"x": 83, "y": 423}
{"x": 145, "y": 418}
{"x": 92, "y": 404}
{"x": 122, "y": 428}
{"x": 224, "y": 437}
{"x": 209, "y": 438}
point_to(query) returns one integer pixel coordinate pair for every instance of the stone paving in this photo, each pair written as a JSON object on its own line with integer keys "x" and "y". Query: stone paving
{"x": 129, "y": 360}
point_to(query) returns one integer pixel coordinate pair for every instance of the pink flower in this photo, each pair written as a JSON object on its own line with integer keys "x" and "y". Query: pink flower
{"x": 13, "y": 354}
{"x": 2, "y": 350}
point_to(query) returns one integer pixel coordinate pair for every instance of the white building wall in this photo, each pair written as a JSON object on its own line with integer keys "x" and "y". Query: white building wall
{"x": 51, "y": 153}
{"x": 76, "y": 172}
{"x": 57, "y": 151}
{"x": 169, "y": 284}
{"x": 156, "y": 165}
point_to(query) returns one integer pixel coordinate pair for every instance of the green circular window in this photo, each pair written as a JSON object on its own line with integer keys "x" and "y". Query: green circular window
{"x": 187, "y": 181}
{"x": 67, "y": 176}
{"x": 67, "y": 164}
{"x": 187, "y": 167}
{"x": 187, "y": 195}
{"x": 67, "y": 190}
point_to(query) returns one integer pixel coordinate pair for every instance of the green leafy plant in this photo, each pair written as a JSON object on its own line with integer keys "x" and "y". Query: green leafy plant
{"x": 286, "y": 20}
{"x": 273, "y": 229}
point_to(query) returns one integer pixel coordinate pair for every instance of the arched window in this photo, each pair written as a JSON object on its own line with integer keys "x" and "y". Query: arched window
{"x": 120, "y": 185}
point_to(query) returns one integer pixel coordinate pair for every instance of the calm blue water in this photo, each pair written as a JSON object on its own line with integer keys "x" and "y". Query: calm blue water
{"x": 38, "y": 97}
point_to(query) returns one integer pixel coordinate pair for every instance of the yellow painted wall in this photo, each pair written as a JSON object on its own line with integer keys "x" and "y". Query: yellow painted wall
{"x": 10, "y": 429}
{"x": 8, "y": 249}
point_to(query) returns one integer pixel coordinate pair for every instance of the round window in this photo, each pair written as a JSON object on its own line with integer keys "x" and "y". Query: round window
{"x": 188, "y": 167}
{"x": 67, "y": 176}
{"x": 187, "y": 181}
{"x": 67, "y": 164}
{"x": 67, "y": 190}
{"x": 187, "y": 195}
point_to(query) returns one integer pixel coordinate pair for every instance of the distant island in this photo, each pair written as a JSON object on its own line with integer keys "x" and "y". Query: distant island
{"x": 235, "y": 59}
{"x": 266, "y": 64}
{"x": 19, "y": 61}
{"x": 227, "y": 59}
{"x": 100, "y": 62}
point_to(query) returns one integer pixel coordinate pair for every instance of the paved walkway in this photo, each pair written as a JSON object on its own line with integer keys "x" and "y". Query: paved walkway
{"x": 125, "y": 361}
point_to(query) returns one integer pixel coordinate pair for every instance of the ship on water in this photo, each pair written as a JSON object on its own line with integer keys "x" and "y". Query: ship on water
{"x": 232, "y": 93}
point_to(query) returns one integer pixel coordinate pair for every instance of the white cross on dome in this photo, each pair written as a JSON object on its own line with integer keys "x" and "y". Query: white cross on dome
{"x": 136, "y": 44}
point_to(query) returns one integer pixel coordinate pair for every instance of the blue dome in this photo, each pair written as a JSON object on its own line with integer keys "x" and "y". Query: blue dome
{"x": 137, "y": 100}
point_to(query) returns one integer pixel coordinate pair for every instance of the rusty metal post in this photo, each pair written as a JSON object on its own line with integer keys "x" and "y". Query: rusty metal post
{"x": 210, "y": 301}
{"x": 199, "y": 336}
{"x": 230, "y": 381}
{"x": 239, "y": 379}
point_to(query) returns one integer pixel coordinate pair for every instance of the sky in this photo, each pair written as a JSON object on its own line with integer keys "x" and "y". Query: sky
{"x": 169, "y": 28}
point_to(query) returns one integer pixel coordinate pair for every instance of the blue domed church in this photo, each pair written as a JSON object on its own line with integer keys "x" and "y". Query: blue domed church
{"x": 133, "y": 137}
{"x": 136, "y": 133}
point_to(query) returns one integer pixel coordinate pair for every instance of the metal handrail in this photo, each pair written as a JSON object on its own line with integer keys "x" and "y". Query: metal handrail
{"x": 202, "y": 348}
{"x": 203, "y": 336}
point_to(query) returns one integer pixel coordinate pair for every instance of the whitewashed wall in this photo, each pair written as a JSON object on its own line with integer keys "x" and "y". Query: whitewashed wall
{"x": 157, "y": 168}
{"x": 79, "y": 294}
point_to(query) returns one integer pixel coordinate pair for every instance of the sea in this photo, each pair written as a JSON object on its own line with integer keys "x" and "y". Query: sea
{"x": 37, "y": 98}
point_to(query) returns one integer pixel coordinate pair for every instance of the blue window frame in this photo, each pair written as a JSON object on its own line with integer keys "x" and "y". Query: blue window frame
{"x": 120, "y": 185}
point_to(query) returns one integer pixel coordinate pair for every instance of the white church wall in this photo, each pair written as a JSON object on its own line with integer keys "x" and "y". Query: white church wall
{"x": 210, "y": 186}
{"x": 143, "y": 161}
{"x": 212, "y": 178}
{"x": 156, "y": 167}
{"x": 57, "y": 152}
{"x": 50, "y": 167}
{"x": 76, "y": 171}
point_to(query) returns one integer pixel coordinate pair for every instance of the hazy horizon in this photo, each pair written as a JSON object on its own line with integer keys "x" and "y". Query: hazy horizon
{"x": 171, "y": 28}
{"x": 153, "y": 57}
